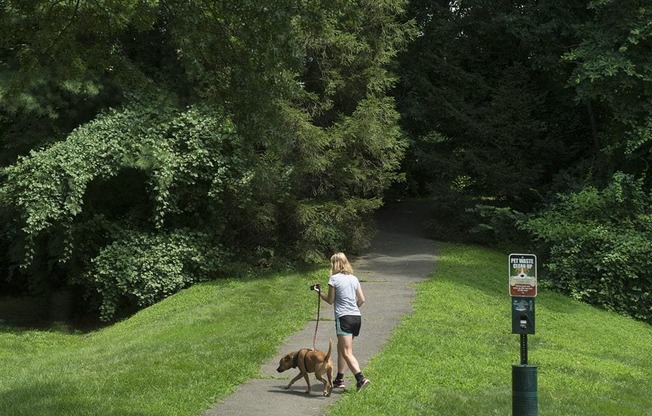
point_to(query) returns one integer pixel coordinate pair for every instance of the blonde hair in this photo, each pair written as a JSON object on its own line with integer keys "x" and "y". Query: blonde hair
{"x": 340, "y": 264}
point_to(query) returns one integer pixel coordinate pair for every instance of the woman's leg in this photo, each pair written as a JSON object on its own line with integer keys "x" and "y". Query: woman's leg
{"x": 341, "y": 362}
{"x": 345, "y": 354}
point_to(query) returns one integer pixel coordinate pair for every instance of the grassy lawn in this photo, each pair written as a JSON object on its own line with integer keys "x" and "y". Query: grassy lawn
{"x": 451, "y": 356}
{"x": 175, "y": 358}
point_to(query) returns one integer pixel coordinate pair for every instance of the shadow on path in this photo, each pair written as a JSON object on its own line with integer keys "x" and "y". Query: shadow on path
{"x": 398, "y": 257}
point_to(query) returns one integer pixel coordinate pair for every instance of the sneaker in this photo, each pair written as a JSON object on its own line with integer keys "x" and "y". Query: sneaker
{"x": 364, "y": 383}
{"x": 338, "y": 384}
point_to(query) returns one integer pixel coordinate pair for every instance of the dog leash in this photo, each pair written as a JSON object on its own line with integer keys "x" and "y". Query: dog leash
{"x": 314, "y": 337}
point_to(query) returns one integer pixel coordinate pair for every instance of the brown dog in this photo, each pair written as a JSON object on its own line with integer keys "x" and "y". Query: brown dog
{"x": 310, "y": 361}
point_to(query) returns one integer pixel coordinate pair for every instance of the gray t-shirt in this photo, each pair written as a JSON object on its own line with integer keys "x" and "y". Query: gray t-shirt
{"x": 346, "y": 300}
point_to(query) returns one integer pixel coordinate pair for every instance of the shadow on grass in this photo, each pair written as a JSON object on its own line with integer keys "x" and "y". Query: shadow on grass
{"x": 53, "y": 399}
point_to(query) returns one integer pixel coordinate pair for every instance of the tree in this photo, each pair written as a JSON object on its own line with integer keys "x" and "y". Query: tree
{"x": 470, "y": 94}
{"x": 535, "y": 109}
{"x": 612, "y": 67}
{"x": 484, "y": 99}
{"x": 233, "y": 131}
{"x": 569, "y": 78}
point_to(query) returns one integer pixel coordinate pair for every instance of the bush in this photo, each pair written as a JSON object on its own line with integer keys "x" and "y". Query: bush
{"x": 498, "y": 226}
{"x": 456, "y": 217}
{"x": 597, "y": 246}
{"x": 143, "y": 269}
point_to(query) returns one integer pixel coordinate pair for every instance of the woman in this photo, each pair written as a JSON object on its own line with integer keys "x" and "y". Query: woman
{"x": 345, "y": 292}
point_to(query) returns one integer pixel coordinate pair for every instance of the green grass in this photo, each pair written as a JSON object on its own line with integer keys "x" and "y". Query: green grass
{"x": 453, "y": 355}
{"x": 175, "y": 358}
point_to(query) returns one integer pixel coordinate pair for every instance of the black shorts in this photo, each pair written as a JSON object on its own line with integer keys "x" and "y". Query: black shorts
{"x": 348, "y": 325}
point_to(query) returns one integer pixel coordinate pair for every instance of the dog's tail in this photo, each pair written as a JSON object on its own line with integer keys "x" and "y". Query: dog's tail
{"x": 330, "y": 344}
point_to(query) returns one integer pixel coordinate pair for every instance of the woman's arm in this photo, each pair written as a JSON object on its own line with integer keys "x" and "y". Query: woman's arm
{"x": 360, "y": 295}
{"x": 330, "y": 296}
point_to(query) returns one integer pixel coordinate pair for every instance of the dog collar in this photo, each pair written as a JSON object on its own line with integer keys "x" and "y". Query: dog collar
{"x": 295, "y": 363}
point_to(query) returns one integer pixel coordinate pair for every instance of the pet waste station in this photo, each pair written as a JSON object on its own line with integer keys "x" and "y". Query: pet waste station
{"x": 523, "y": 290}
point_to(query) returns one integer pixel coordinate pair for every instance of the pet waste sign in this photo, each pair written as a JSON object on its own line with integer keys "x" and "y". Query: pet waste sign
{"x": 523, "y": 275}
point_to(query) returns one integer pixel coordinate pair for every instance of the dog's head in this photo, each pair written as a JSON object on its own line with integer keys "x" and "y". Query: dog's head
{"x": 286, "y": 362}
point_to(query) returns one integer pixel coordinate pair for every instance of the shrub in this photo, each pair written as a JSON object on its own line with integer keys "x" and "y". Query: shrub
{"x": 498, "y": 226}
{"x": 142, "y": 269}
{"x": 597, "y": 245}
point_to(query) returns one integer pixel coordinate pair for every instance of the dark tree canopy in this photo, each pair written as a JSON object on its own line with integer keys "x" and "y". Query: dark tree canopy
{"x": 529, "y": 124}
{"x": 154, "y": 143}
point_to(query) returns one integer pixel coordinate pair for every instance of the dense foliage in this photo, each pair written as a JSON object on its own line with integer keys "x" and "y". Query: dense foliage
{"x": 150, "y": 144}
{"x": 599, "y": 245}
{"x": 518, "y": 109}
{"x": 154, "y": 143}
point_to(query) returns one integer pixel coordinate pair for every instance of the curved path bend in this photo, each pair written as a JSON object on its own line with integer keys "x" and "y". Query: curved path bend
{"x": 399, "y": 257}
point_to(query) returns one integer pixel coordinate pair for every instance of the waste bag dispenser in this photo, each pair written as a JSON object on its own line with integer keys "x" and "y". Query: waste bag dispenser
{"x": 523, "y": 315}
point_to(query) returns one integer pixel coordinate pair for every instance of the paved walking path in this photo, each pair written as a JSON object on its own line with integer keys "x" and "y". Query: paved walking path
{"x": 398, "y": 258}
